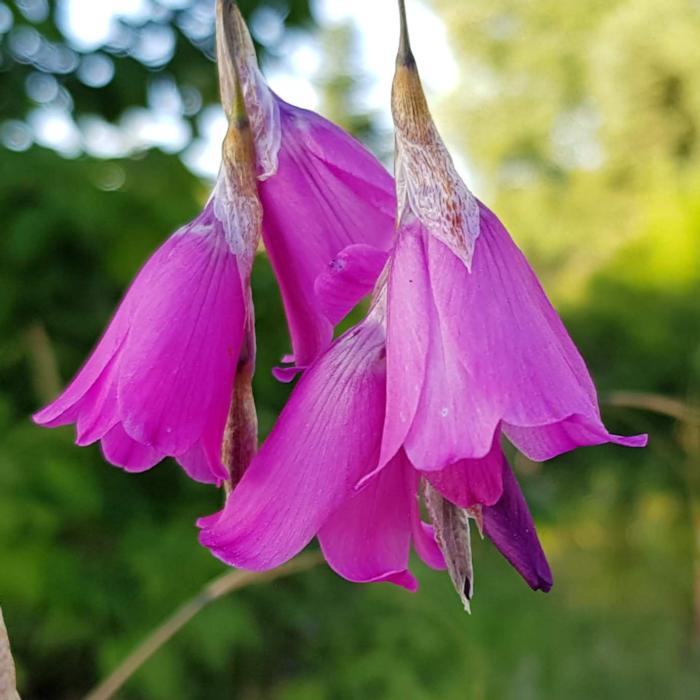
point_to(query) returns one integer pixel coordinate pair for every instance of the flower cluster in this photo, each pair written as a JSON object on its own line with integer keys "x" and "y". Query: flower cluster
{"x": 460, "y": 349}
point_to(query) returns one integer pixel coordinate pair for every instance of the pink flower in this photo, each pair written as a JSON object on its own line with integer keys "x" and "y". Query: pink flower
{"x": 460, "y": 345}
{"x": 473, "y": 344}
{"x": 302, "y": 483}
{"x": 160, "y": 381}
{"x": 470, "y": 352}
{"x": 321, "y": 190}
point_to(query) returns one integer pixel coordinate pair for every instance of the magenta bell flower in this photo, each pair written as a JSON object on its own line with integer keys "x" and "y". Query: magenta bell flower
{"x": 321, "y": 191}
{"x": 460, "y": 345}
{"x": 327, "y": 439}
{"x": 159, "y": 382}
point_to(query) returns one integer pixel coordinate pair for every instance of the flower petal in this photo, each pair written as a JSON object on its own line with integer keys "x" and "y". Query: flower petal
{"x": 326, "y": 438}
{"x": 161, "y": 375}
{"x": 498, "y": 352}
{"x": 328, "y": 193}
{"x": 98, "y": 412}
{"x": 202, "y": 461}
{"x": 176, "y": 369}
{"x": 546, "y": 441}
{"x": 350, "y": 276}
{"x": 122, "y": 451}
{"x": 65, "y": 408}
{"x": 471, "y": 482}
{"x": 408, "y": 331}
{"x": 437, "y": 407}
{"x": 368, "y": 539}
{"x": 509, "y": 525}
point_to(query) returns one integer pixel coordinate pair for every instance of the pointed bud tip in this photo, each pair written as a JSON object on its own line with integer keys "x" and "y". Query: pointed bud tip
{"x": 408, "y": 104}
{"x": 404, "y": 57}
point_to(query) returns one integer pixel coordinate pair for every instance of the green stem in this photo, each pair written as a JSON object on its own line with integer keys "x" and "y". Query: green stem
{"x": 215, "y": 589}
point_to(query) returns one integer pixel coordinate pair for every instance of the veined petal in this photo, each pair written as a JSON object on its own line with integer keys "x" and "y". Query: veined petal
{"x": 176, "y": 369}
{"x": 433, "y": 405}
{"x": 512, "y": 340}
{"x": 368, "y": 539}
{"x": 325, "y": 440}
{"x": 98, "y": 412}
{"x": 159, "y": 382}
{"x": 409, "y": 324}
{"x": 328, "y": 193}
{"x": 506, "y": 357}
{"x": 66, "y": 407}
{"x": 543, "y": 442}
{"x": 202, "y": 461}
{"x": 509, "y": 525}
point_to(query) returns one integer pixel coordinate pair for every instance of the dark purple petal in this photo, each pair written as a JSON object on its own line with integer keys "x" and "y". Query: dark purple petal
{"x": 509, "y": 525}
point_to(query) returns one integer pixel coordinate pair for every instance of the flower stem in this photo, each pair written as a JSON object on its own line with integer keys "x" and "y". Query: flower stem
{"x": 656, "y": 403}
{"x": 215, "y": 589}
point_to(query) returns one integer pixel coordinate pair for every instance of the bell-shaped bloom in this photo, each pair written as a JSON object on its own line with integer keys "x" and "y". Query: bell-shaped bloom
{"x": 473, "y": 343}
{"x": 160, "y": 381}
{"x": 302, "y": 482}
{"x": 460, "y": 346}
{"x": 321, "y": 190}
{"x": 472, "y": 351}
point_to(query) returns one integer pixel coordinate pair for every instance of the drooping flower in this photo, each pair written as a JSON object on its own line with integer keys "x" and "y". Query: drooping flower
{"x": 161, "y": 379}
{"x": 326, "y": 440}
{"x": 487, "y": 350}
{"x": 461, "y": 345}
{"x": 321, "y": 190}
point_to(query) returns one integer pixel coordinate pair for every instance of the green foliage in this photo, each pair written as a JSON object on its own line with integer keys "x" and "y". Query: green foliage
{"x": 189, "y": 23}
{"x": 92, "y": 559}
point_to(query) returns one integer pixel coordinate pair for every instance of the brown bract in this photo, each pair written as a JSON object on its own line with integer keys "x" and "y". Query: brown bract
{"x": 238, "y": 66}
{"x": 240, "y": 441}
{"x": 451, "y": 525}
{"x": 408, "y": 104}
{"x": 427, "y": 183}
{"x": 238, "y": 155}
{"x": 234, "y": 49}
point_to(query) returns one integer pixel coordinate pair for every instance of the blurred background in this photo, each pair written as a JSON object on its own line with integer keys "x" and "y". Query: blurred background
{"x": 579, "y": 123}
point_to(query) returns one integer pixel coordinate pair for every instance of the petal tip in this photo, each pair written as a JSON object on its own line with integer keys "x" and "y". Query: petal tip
{"x": 631, "y": 441}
